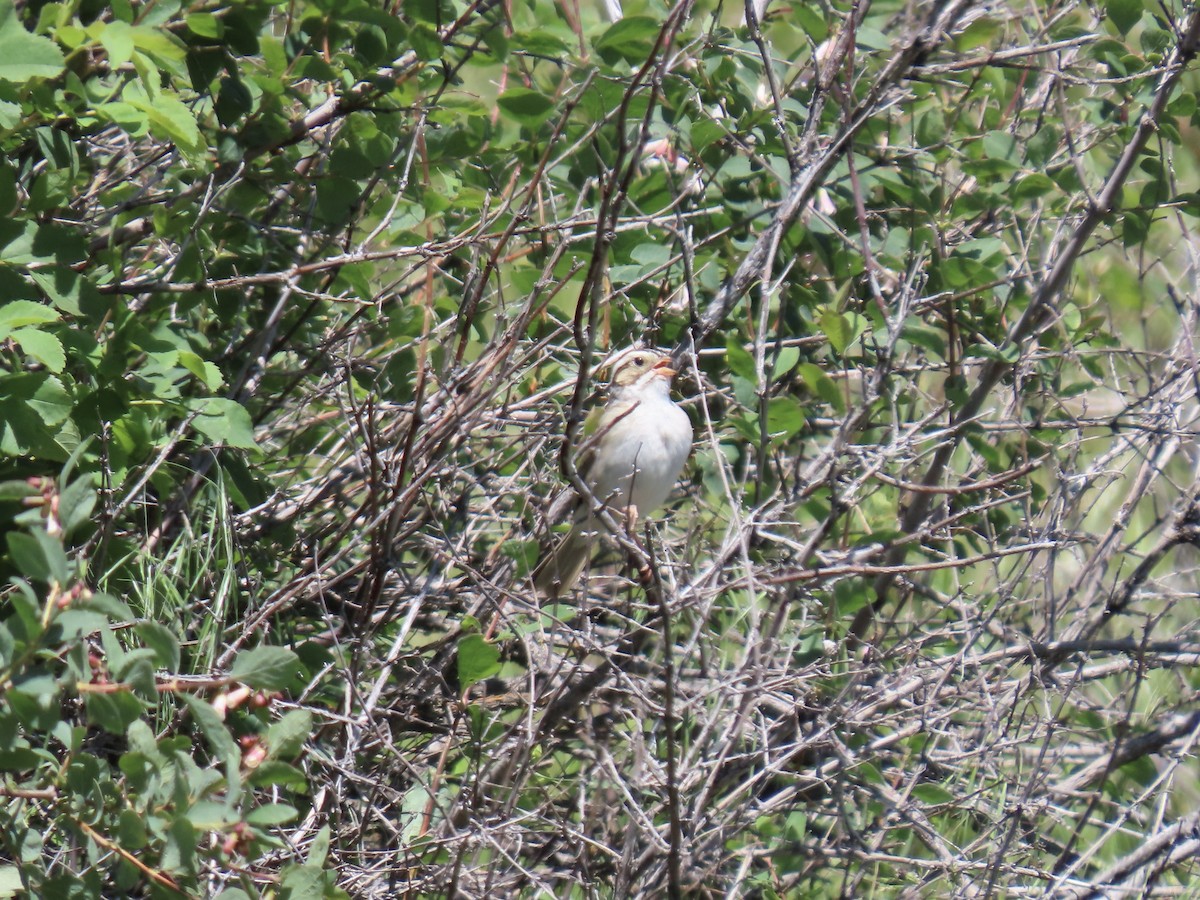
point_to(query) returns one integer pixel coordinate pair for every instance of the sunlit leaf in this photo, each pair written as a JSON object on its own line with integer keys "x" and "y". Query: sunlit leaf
{"x": 23, "y": 55}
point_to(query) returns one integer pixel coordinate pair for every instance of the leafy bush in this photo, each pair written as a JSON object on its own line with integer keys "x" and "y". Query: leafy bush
{"x": 299, "y": 301}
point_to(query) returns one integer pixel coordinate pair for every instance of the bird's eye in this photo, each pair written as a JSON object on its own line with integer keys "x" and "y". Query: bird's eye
{"x": 639, "y": 360}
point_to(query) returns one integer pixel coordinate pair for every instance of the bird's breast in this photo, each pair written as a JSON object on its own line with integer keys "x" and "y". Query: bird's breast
{"x": 640, "y": 457}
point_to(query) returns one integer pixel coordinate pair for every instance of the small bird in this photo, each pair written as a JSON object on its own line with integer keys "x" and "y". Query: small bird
{"x": 637, "y": 449}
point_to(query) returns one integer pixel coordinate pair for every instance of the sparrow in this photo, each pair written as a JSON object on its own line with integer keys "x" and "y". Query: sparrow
{"x": 630, "y": 460}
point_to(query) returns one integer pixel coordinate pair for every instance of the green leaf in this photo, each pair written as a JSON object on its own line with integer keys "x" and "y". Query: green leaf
{"x": 785, "y": 417}
{"x": 850, "y": 596}
{"x": 73, "y": 623}
{"x": 961, "y": 271}
{"x": 1157, "y": 40}
{"x": 336, "y": 197}
{"x": 272, "y": 772}
{"x": 136, "y": 668}
{"x": 18, "y": 759}
{"x": 163, "y": 46}
{"x": 979, "y": 33}
{"x": 44, "y": 347}
{"x": 425, "y": 42}
{"x": 179, "y": 851}
{"x": 31, "y": 845}
{"x": 35, "y": 685}
{"x": 233, "y": 101}
{"x": 10, "y": 882}
{"x": 20, "y": 313}
{"x": 267, "y": 668}
{"x": 39, "y": 556}
{"x": 114, "y": 712}
{"x": 739, "y": 359}
{"x": 1134, "y": 227}
{"x": 48, "y": 398}
{"x": 796, "y": 825}
{"x": 117, "y": 41}
{"x": 36, "y": 402}
{"x": 526, "y": 106}
{"x": 651, "y": 255}
{"x": 1000, "y": 145}
{"x": 318, "y": 848}
{"x": 285, "y": 738}
{"x": 224, "y": 422}
{"x": 873, "y": 39}
{"x": 17, "y": 490}
{"x": 23, "y": 55}
{"x": 162, "y": 641}
{"x": 271, "y": 815}
{"x": 219, "y": 739}
{"x": 71, "y": 36}
{"x": 28, "y": 243}
{"x": 842, "y": 329}
{"x": 209, "y": 816}
{"x": 75, "y": 504}
{"x": 869, "y": 773}
{"x": 706, "y": 132}
{"x": 1124, "y": 13}
{"x": 302, "y": 883}
{"x": 540, "y": 43}
{"x": 1034, "y": 185}
{"x": 522, "y": 552}
{"x": 205, "y": 25}
{"x": 171, "y": 120}
{"x": 1183, "y": 105}
{"x": 8, "y": 188}
{"x": 1006, "y": 352}
{"x": 110, "y": 606}
{"x": 631, "y": 36}
{"x": 821, "y": 384}
{"x": 933, "y": 794}
{"x": 812, "y": 22}
{"x": 209, "y": 374}
{"x": 786, "y": 360}
{"x": 126, "y": 116}
{"x": 131, "y": 830}
{"x": 477, "y": 660}
{"x": 1188, "y": 203}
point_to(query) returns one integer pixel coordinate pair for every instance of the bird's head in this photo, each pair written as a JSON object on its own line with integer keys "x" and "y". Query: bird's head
{"x": 636, "y": 365}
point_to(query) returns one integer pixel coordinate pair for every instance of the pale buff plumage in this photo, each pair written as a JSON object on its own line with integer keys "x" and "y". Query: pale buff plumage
{"x": 639, "y": 447}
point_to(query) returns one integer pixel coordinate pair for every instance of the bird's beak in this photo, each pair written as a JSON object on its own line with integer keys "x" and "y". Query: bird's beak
{"x": 663, "y": 368}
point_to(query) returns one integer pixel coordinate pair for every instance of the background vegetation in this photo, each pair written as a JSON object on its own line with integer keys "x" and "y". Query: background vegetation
{"x": 296, "y": 298}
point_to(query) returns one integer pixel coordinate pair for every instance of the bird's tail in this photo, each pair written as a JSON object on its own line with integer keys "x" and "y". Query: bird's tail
{"x": 560, "y": 567}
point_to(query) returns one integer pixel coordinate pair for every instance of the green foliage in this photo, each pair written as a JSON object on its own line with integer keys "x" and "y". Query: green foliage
{"x": 86, "y": 765}
{"x": 288, "y": 294}
{"x": 477, "y": 660}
